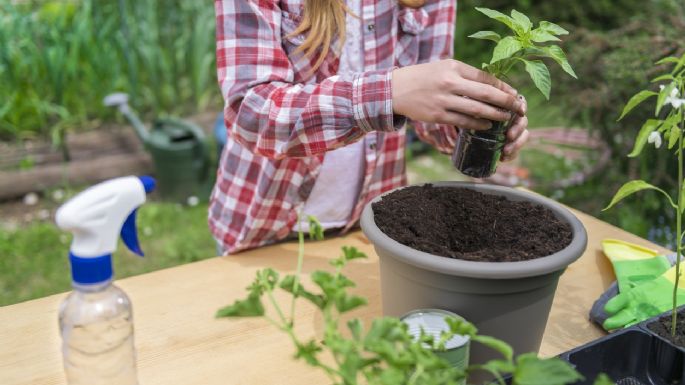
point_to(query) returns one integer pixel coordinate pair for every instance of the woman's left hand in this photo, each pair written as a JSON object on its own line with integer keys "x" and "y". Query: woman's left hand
{"x": 517, "y": 136}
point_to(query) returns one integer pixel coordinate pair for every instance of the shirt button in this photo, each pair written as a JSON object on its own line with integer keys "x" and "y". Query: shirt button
{"x": 371, "y": 27}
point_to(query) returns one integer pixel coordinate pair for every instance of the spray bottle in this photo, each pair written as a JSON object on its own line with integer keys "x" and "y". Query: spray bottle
{"x": 96, "y": 319}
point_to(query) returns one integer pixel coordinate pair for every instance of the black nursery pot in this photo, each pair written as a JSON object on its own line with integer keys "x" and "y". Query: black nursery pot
{"x": 476, "y": 153}
{"x": 629, "y": 357}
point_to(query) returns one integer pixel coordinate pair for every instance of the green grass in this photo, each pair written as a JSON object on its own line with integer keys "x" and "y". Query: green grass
{"x": 35, "y": 263}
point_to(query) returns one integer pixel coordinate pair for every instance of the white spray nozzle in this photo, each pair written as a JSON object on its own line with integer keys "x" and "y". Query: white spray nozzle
{"x": 96, "y": 215}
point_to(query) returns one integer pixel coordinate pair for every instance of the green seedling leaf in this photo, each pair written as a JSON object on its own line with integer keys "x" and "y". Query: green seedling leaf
{"x": 666, "y": 60}
{"x": 541, "y": 36}
{"x": 603, "y": 379}
{"x": 662, "y": 78}
{"x": 635, "y": 101}
{"x": 499, "y": 16}
{"x": 308, "y": 352}
{"x": 531, "y": 370}
{"x": 493, "y": 343}
{"x": 540, "y": 74}
{"x": 249, "y": 307}
{"x": 486, "y": 35}
{"x": 647, "y": 128}
{"x": 315, "y": 228}
{"x": 288, "y": 284}
{"x": 552, "y": 28}
{"x": 633, "y": 187}
{"x": 356, "y": 328}
{"x": 347, "y": 303}
{"x": 505, "y": 49}
{"x": 350, "y": 253}
{"x": 557, "y": 54}
{"x": 522, "y": 21}
{"x": 461, "y": 327}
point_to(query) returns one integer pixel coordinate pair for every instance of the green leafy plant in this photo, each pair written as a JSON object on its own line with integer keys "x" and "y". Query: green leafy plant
{"x": 668, "y": 123}
{"x": 527, "y": 45}
{"x": 386, "y": 353}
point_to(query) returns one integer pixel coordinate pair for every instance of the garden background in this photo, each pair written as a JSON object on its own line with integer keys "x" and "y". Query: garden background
{"x": 59, "y": 59}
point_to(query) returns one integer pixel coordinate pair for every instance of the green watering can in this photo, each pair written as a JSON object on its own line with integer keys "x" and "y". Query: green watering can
{"x": 178, "y": 148}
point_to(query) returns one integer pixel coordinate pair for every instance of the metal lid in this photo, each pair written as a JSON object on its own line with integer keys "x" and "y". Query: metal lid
{"x": 432, "y": 321}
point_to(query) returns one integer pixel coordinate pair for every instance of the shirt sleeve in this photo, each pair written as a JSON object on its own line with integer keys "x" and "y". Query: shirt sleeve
{"x": 267, "y": 112}
{"x": 437, "y": 43}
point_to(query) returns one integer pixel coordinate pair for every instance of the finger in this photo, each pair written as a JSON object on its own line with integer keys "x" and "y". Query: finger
{"x": 616, "y": 304}
{"x": 464, "y": 121}
{"x": 488, "y": 94}
{"x": 512, "y": 149}
{"x": 520, "y": 125}
{"x": 476, "y": 109}
{"x": 621, "y": 319}
{"x": 474, "y": 74}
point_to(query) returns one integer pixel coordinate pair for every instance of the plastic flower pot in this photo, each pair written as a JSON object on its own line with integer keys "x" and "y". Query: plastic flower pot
{"x": 476, "y": 153}
{"x": 507, "y": 300}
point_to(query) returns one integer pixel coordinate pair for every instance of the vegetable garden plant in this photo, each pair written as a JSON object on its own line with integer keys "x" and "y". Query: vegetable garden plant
{"x": 668, "y": 124}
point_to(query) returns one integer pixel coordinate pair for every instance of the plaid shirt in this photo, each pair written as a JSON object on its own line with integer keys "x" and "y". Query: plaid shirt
{"x": 281, "y": 121}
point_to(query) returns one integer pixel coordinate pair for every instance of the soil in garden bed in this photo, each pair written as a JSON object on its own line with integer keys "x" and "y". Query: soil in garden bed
{"x": 466, "y": 224}
{"x": 662, "y": 327}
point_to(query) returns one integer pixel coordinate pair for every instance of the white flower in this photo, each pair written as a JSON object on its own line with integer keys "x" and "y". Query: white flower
{"x": 193, "y": 201}
{"x": 31, "y": 199}
{"x": 673, "y": 99}
{"x": 655, "y": 138}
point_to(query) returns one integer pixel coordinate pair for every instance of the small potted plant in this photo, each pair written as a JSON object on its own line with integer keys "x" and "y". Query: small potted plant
{"x": 385, "y": 353}
{"x": 488, "y": 253}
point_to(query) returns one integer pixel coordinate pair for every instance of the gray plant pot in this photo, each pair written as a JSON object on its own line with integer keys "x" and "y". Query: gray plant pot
{"x": 507, "y": 300}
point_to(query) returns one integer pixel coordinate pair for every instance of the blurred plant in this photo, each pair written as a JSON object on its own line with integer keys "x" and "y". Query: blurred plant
{"x": 385, "y": 354}
{"x": 671, "y": 99}
{"x": 58, "y": 59}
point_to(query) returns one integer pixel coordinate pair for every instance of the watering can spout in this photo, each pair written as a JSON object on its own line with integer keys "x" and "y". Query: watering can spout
{"x": 120, "y": 101}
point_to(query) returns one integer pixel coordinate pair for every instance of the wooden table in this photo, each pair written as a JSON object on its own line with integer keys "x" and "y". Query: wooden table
{"x": 180, "y": 342}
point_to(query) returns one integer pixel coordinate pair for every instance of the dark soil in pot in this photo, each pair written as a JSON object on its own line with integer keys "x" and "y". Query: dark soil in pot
{"x": 466, "y": 224}
{"x": 662, "y": 327}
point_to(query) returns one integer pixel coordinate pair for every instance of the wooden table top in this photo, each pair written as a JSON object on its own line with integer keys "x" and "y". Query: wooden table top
{"x": 179, "y": 341}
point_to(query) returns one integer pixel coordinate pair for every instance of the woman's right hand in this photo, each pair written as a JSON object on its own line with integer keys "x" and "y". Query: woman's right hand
{"x": 452, "y": 92}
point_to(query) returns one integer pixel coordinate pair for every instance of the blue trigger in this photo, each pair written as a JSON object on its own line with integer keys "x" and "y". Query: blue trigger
{"x": 129, "y": 234}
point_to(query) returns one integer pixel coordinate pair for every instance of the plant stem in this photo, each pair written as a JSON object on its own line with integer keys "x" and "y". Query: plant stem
{"x": 674, "y": 312}
{"x": 298, "y": 271}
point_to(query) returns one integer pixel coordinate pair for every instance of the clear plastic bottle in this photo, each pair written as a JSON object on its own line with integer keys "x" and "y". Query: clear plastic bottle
{"x": 96, "y": 323}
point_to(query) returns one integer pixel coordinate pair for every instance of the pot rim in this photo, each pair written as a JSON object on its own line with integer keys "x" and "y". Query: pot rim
{"x": 494, "y": 270}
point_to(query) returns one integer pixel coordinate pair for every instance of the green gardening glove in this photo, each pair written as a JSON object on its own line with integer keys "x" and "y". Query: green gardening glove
{"x": 633, "y": 264}
{"x": 648, "y": 299}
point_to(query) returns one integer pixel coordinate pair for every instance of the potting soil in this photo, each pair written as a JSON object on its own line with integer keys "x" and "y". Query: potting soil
{"x": 662, "y": 327}
{"x": 466, "y": 224}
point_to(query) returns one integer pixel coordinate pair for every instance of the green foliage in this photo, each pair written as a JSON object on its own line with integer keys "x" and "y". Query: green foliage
{"x": 386, "y": 353}
{"x": 59, "y": 59}
{"x": 523, "y": 47}
{"x": 672, "y": 98}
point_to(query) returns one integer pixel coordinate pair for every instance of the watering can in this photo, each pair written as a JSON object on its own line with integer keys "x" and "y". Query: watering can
{"x": 178, "y": 148}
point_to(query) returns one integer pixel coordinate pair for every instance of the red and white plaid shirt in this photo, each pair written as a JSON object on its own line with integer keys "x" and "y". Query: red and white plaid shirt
{"x": 281, "y": 121}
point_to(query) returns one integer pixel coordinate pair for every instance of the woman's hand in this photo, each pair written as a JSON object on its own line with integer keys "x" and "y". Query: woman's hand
{"x": 517, "y": 135}
{"x": 451, "y": 92}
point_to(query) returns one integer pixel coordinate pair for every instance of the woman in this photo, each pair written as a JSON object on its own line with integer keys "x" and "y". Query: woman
{"x": 317, "y": 94}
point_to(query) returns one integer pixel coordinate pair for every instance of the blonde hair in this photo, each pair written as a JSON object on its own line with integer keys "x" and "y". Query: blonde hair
{"x": 324, "y": 20}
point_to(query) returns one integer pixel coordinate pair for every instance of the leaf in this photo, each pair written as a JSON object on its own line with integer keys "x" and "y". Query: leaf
{"x": 505, "y": 48}
{"x": 249, "y": 307}
{"x": 315, "y": 228}
{"x": 499, "y": 16}
{"x": 603, "y": 379}
{"x": 670, "y": 59}
{"x": 673, "y": 136}
{"x": 288, "y": 283}
{"x": 540, "y": 74}
{"x": 662, "y": 78}
{"x": 347, "y": 303}
{"x": 552, "y": 28}
{"x": 531, "y": 370}
{"x": 521, "y": 20}
{"x": 555, "y": 52}
{"x": 635, "y": 101}
{"x": 541, "y": 36}
{"x": 356, "y": 328}
{"x": 493, "y": 343}
{"x": 486, "y": 35}
{"x": 632, "y": 187}
{"x": 350, "y": 253}
{"x": 662, "y": 97}
{"x": 647, "y": 128}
